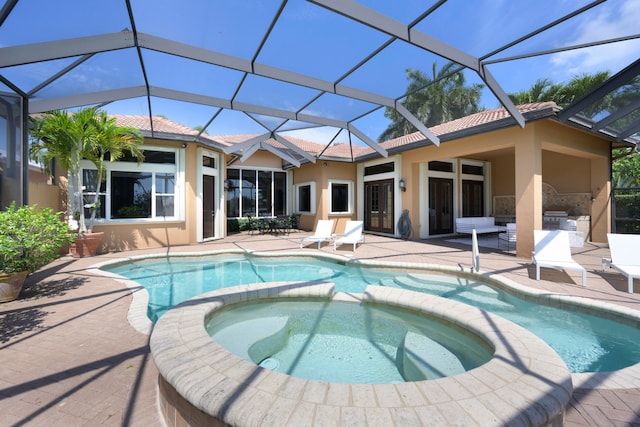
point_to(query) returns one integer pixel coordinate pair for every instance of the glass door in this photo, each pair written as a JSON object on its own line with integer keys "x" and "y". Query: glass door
{"x": 379, "y": 214}
{"x": 440, "y": 206}
{"x": 208, "y": 206}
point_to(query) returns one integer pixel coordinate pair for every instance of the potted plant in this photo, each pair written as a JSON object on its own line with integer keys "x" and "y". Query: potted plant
{"x": 29, "y": 238}
{"x": 71, "y": 137}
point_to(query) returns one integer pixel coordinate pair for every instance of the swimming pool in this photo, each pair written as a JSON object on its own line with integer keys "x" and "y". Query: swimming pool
{"x": 587, "y": 343}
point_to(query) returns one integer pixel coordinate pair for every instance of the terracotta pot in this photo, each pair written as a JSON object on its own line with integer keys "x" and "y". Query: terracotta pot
{"x": 86, "y": 244}
{"x": 11, "y": 285}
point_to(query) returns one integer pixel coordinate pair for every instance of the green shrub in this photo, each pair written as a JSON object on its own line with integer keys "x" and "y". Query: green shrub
{"x": 30, "y": 238}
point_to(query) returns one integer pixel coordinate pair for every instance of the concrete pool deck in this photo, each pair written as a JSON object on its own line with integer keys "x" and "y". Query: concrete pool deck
{"x": 70, "y": 357}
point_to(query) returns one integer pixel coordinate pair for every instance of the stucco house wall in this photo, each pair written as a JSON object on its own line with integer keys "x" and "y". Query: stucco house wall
{"x": 529, "y": 169}
{"x": 321, "y": 173}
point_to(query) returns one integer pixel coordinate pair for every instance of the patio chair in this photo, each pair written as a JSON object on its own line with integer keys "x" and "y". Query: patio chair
{"x": 352, "y": 235}
{"x": 323, "y": 233}
{"x": 624, "y": 256}
{"x": 552, "y": 250}
{"x": 509, "y": 236}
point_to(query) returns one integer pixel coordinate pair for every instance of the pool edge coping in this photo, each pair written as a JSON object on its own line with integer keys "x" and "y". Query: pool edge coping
{"x": 628, "y": 377}
{"x": 525, "y": 381}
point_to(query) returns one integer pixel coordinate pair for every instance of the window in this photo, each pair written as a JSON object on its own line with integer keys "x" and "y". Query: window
{"x": 340, "y": 194}
{"x": 441, "y": 166}
{"x": 472, "y": 169}
{"x": 253, "y": 192}
{"x": 378, "y": 169}
{"x": 306, "y": 198}
{"x": 134, "y": 191}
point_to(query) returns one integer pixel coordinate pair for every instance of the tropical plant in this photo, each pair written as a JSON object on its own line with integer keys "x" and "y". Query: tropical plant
{"x": 626, "y": 168}
{"x": 86, "y": 134}
{"x": 112, "y": 142}
{"x": 435, "y": 99}
{"x": 30, "y": 238}
{"x": 562, "y": 94}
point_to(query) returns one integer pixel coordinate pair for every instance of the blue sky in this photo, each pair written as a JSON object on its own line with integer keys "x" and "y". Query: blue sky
{"x": 314, "y": 41}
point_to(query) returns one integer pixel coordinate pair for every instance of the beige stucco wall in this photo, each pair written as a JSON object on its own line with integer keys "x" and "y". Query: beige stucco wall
{"x": 320, "y": 173}
{"x": 522, "y": 160}
{"x": 121, "y": 236}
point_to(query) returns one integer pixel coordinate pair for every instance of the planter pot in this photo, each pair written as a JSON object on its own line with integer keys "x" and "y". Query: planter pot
{"x": 11, "y": 285}
{"x": 86, "y": 244}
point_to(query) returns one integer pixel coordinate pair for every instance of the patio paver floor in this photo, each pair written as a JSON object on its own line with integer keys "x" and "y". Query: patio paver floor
{"x": 68, "y": 356}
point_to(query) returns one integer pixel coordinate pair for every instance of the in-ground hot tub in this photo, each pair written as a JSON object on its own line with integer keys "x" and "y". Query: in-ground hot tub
{"x": 344, "y": 341}
{"x": 202, "y": 383}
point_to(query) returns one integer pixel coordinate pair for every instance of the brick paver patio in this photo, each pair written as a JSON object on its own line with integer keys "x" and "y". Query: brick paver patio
{"x": 69, "y": 357}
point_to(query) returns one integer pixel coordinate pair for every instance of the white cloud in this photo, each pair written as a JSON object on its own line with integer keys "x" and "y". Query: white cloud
{"x": 613, "y": 20}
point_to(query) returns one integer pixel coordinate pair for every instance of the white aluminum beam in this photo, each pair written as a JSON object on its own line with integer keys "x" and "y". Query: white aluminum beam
{"x": 371, "y": 143}
{"x": 214, "y": 58}
{"x": 183, "y": 50}
{"x": 280, "y": 153}
{"x": 235, "y": 148}
{"x": 249, "y": 152}
{"x": 293, "y": 147}
{"x": 417, "y": 124}
{"x": 46, "y": 51}
{"x": 502, "y": 96}
{"x": 324, "y": 121}
{"x": 62, "y": 103}
{"x": 380, "y": 22}
{"x": 178, "y": 95}
{"x": 260, "y": 109}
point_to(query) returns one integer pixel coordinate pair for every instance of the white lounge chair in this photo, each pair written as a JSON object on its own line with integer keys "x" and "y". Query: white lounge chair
{"x": 323, "y": 233}
{"x": 552, "y": 250}
{"x": 352, "y": 235}
{"x": 625, "y": 256}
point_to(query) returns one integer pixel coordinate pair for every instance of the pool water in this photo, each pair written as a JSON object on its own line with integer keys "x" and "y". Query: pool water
{"x": 345, "y": 342}
{"x": 586, "y": 343}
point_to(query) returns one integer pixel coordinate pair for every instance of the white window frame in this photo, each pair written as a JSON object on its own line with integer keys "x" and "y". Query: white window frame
{"x": 312, "y": 191}
{"x": 349, "y": 184}
{"x": 177, "y": 169}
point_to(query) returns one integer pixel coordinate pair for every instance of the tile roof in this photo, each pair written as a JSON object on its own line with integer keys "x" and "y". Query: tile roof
{"x": 463, "y": 123}
{"x": 336, "y": 151}
{"x": 161, "y": 124}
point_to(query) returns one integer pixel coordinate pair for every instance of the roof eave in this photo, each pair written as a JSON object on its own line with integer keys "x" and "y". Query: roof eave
{"x": 530, "y": 116}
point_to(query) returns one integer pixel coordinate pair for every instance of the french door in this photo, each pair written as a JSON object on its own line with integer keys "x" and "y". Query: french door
{"x": 472, "y": 198}
{"x": 440, "y": 206}
{"x": 378, "y": 202}
{"x": 208, "y": 206}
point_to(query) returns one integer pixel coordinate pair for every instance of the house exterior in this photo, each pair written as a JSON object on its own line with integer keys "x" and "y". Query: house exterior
{"x": 190, "y": 184}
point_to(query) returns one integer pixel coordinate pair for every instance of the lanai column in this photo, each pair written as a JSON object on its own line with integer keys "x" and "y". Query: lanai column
{"x": 528, "y": 153}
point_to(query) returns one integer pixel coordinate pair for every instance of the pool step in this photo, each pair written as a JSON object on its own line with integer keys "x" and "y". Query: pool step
{"x": 254, "y": 339}
{"x": 423, "y": 358}
{"x": 479, "y": 295}
{"x": 423, "y": 286}
{"x": 453, "y": 281}
{"x": 480, "y": 300}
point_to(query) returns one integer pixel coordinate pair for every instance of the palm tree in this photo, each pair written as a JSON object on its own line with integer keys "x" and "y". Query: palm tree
{"x": 86, "y": 134}
{"x": 562, "y": 94}
{"x": 114, "y": 142}
{"x": 434, "y": 99}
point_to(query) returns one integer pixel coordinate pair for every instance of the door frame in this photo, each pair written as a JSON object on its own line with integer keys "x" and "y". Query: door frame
{"x": 367, "y": 212}
{"x": 218, "y": 175}
{"x": 451, "y": 204}
{"x": 457, "y": 177}
{"x": 425, "y": 174}
{"x": 396, "y": 175}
